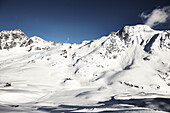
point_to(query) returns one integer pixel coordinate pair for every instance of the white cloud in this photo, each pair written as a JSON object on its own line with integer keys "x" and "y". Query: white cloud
{"x": 157, "y": 16}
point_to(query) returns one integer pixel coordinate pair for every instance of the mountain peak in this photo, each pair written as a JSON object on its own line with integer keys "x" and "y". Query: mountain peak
{"x": 13, "y": 31}
{"x": 17, "y": 38}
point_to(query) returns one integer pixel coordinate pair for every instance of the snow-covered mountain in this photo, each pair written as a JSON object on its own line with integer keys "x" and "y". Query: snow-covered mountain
{"x": 41, "y": 76}
{"x": 16, "y": 38}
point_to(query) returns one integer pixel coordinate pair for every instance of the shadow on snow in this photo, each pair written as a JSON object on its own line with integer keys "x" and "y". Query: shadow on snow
{"x": 162, "y": 104}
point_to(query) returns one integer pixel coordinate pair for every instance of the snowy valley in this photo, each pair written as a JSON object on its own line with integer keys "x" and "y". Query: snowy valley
{"x": 126, "y": 71}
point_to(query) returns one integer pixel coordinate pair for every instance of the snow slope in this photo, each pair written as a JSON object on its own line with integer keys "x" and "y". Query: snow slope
{"x": 126, "y": 71}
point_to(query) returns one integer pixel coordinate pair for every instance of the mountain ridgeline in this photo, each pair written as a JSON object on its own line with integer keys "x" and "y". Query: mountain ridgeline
{"x": 17, "y": 38}
{"x": 136, "y": 57}
{"x": 140, "y": 34}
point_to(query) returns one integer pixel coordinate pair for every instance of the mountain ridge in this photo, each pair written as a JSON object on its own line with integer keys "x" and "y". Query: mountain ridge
{"x": 26, "y": 41}
{"x": 131, "y": 63}
{"x": 17, "y": 38}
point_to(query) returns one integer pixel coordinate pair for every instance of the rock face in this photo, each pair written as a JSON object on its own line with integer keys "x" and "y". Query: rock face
{"x": 16, "y": 38}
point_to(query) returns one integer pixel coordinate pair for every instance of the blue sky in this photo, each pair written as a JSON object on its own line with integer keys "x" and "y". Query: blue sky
{"x": 78, "y": 20}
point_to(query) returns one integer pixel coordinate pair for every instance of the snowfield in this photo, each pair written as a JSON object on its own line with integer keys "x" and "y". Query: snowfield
{"x": 127, "y": 71}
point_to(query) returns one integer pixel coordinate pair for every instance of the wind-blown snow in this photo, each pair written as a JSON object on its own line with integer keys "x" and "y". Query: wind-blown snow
{"x": 115, "y": 73}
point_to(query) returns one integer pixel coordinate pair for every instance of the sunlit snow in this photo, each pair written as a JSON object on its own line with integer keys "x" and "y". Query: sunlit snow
{"x": 126, "y": 71}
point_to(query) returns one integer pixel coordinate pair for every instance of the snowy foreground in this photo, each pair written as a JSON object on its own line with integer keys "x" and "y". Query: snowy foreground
{"x": 126, "y": 71}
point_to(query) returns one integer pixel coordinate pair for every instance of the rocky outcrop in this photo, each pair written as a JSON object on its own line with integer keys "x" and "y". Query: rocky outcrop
{"x": 17, "y": 38}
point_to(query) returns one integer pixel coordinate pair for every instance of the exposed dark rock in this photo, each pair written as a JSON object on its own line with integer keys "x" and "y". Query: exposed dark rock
{"x": 29, "y": 42}
{"x": 6, "y": 46}
{"x": 7, "y": 85}
{"x": 149, "y": 44}
{"x": 37, "y": 48}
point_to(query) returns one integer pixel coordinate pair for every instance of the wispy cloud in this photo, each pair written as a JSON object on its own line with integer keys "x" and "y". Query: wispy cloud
{"x": 157, "y": 16}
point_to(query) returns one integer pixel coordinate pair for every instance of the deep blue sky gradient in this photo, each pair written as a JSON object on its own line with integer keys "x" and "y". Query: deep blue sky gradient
{"x": 78, "y": 20}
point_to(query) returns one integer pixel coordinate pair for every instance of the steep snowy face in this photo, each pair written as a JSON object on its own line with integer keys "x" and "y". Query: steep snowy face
{"x": 144, "y": 36}
{"x": 135, "y": 34}
{"x": 17, "y": 38}
{"x": 165, "y": 41}
{"x": 133, "y": 46}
